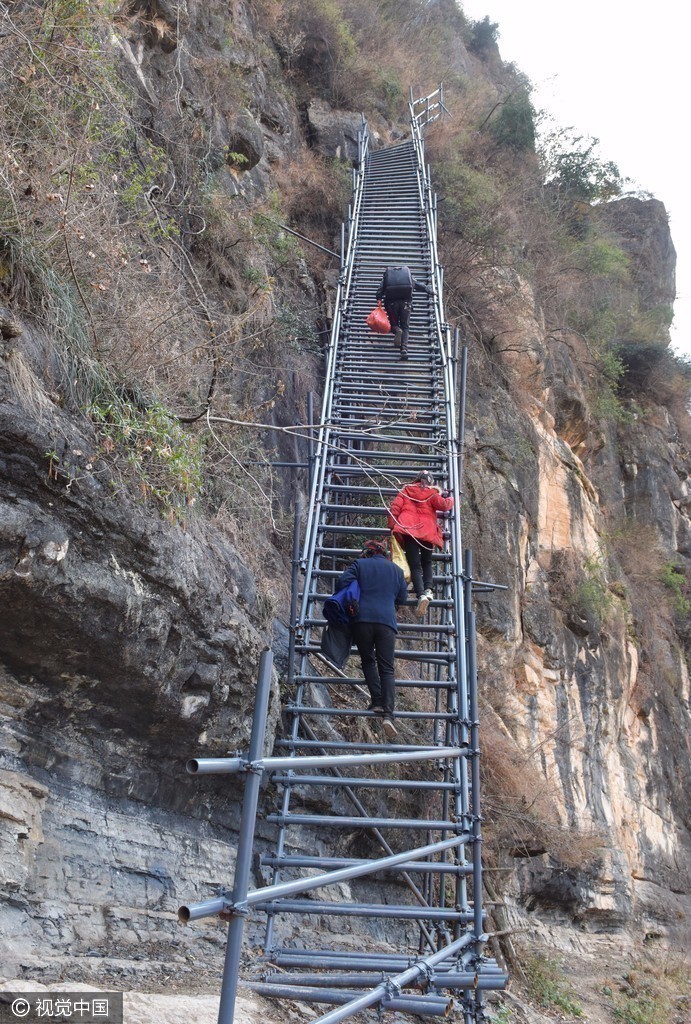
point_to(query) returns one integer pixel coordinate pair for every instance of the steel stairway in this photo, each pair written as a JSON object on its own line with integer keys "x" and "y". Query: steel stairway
{"x": 417, "y": 888}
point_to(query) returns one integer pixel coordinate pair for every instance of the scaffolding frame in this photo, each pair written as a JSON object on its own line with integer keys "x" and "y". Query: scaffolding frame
{"x": 381, "y": 422}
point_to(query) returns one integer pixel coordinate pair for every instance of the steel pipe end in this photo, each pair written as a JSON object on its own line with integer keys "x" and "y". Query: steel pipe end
{"x": 184, "y": 915}
{"x": 192, "y": 766}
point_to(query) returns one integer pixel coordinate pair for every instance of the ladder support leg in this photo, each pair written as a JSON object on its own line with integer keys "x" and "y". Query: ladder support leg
{"x": 243, "y": 861}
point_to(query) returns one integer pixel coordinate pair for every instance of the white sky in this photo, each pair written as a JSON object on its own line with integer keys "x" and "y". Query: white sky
{"x": 618, "y": 71}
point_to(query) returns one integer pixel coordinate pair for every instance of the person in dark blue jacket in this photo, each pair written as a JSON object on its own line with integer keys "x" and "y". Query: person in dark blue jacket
{"x": 374, "y": 627}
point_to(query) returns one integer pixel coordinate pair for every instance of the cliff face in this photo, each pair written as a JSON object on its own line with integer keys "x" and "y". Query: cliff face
{"x": 129, "y": 644}
{"x": 581, "y": 665}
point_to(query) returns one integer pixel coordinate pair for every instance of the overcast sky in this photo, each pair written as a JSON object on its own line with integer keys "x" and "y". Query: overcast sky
{"x": 620, "y": 72}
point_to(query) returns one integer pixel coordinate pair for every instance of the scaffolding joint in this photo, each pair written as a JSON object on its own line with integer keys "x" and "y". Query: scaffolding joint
{"x": 393, "y": 989}
{"x": 233, "y": 910}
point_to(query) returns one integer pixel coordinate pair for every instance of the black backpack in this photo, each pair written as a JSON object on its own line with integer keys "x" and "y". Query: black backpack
{"x": 398, "y": 284}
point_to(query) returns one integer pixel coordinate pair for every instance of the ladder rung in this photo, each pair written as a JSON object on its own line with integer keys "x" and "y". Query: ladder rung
{"x": 402, "y": 911}
{"x": 351, "y": 748}
{"x": 364, "y": 783}
{"x": 410, "y": 716}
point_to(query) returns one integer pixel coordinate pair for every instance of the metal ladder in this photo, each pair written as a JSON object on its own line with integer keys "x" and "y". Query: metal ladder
{"x": 383, "y": 420}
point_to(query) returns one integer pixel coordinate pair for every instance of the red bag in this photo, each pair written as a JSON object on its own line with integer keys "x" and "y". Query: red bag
{"x": 378, "y": 320}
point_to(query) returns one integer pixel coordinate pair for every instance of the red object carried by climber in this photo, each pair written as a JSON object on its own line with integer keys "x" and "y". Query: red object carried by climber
{"x": 378, "y": 320}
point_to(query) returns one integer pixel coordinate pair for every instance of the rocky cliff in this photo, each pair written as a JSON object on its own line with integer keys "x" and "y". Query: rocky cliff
{"x": 143, "y": 268}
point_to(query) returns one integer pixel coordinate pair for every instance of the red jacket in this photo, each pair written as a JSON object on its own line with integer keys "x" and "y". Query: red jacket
{"x": 414, "y": 512}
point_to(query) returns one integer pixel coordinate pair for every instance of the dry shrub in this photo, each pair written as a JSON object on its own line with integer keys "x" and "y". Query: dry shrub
{"x": 661, "y": 376}
{"x": 521, "y": 817}
{"x": 656, "y": 989}
{"x": 580, "y": 587}
{"x": 26, "y": 386}
{"x": 312, "y": 194}
{"x": 99, "y": 254}
{"x": 656, "y": 628}
{"x": 637, "y": 546}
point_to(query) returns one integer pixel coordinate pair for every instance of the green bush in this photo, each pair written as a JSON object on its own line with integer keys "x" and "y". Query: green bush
{"x": 514, "y": 123}
{"x": 164, "y": 460}
{"x": 599, "y": 258}
{"x": 483, "y": 36}
{"x": 607, "y": 403}
{"x": 658, "y": 373}
{"x": 674, "y": 578}
{"x": 592, "y": 596}
{"x": 471, "y": 200}
{"x": 572, "y": 164}
{"x": 549, "y": 987}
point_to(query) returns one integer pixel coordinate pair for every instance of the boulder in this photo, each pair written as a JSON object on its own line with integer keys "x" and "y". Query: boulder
{"x": 333, "y": 132}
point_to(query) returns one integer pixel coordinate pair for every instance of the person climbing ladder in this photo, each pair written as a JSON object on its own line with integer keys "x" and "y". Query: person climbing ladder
{"x": 396, "y": 289}
{"x": 413, "y": 522}
{"x": 374, "y": 626}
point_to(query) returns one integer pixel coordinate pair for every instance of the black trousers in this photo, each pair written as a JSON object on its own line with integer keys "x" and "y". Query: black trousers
{"x": 420, "y": 561}
{"x": 376, "y": 643}
{"x": 399, "y": 314}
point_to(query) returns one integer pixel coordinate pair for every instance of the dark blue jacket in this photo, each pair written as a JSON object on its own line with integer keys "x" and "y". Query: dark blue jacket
{"x": 341, "y": 608}
{"x": 382, "y": 587}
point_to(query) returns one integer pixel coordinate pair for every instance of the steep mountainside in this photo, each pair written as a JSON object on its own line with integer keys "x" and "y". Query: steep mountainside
{"x": 155, "y": 316}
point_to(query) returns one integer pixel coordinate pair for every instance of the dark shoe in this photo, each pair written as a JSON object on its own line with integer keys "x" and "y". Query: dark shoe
{"x": 376, "y": 709}
{"x": 404, "y": 353}
{"x": 390, "y": 729}
{"x": 397, "y": 337}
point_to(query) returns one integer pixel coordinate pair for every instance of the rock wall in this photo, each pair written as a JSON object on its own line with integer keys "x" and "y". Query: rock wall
{"x": 127, "y": 646}
{"x": 592, "y": 700}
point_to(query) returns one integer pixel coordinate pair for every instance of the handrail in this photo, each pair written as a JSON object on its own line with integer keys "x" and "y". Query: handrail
{"x": 342, "y": 296}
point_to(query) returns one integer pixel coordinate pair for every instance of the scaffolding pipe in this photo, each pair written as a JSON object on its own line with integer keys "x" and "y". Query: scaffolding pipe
{"x": 295, "y": 566}
{"x": 424, "y": 867}
{"x": 271, "y": 892}
{"x": 230, "y": 765}
{"x": 398, "y": 982}
{"x": 401, "y": 912}
{"x": 423, "y": 1005}
{"x": 310, "y": 438}
{"x": 243, "y": 860}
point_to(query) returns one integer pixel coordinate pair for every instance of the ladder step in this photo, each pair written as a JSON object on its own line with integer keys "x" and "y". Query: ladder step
{"x": 348, "y": 821}
{"x": 352, "y": 748}
{"x": 361, "y": 782}
{"x": 428, "y": 657}
{"x": 402, "y": 912}
{"x": 420, "y": 629}
{"x": 410, "y": 716}
{"x": 444, "y": 684}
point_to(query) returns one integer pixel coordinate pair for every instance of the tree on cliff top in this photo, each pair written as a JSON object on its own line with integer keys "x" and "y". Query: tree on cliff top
{"x": 574, "y": 167}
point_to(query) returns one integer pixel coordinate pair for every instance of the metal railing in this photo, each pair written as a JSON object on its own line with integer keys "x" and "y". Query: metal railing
{"x": 382, "y": 420}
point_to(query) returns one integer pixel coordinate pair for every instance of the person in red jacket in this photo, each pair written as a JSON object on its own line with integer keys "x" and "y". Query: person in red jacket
{"x": 413, "y": 521}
